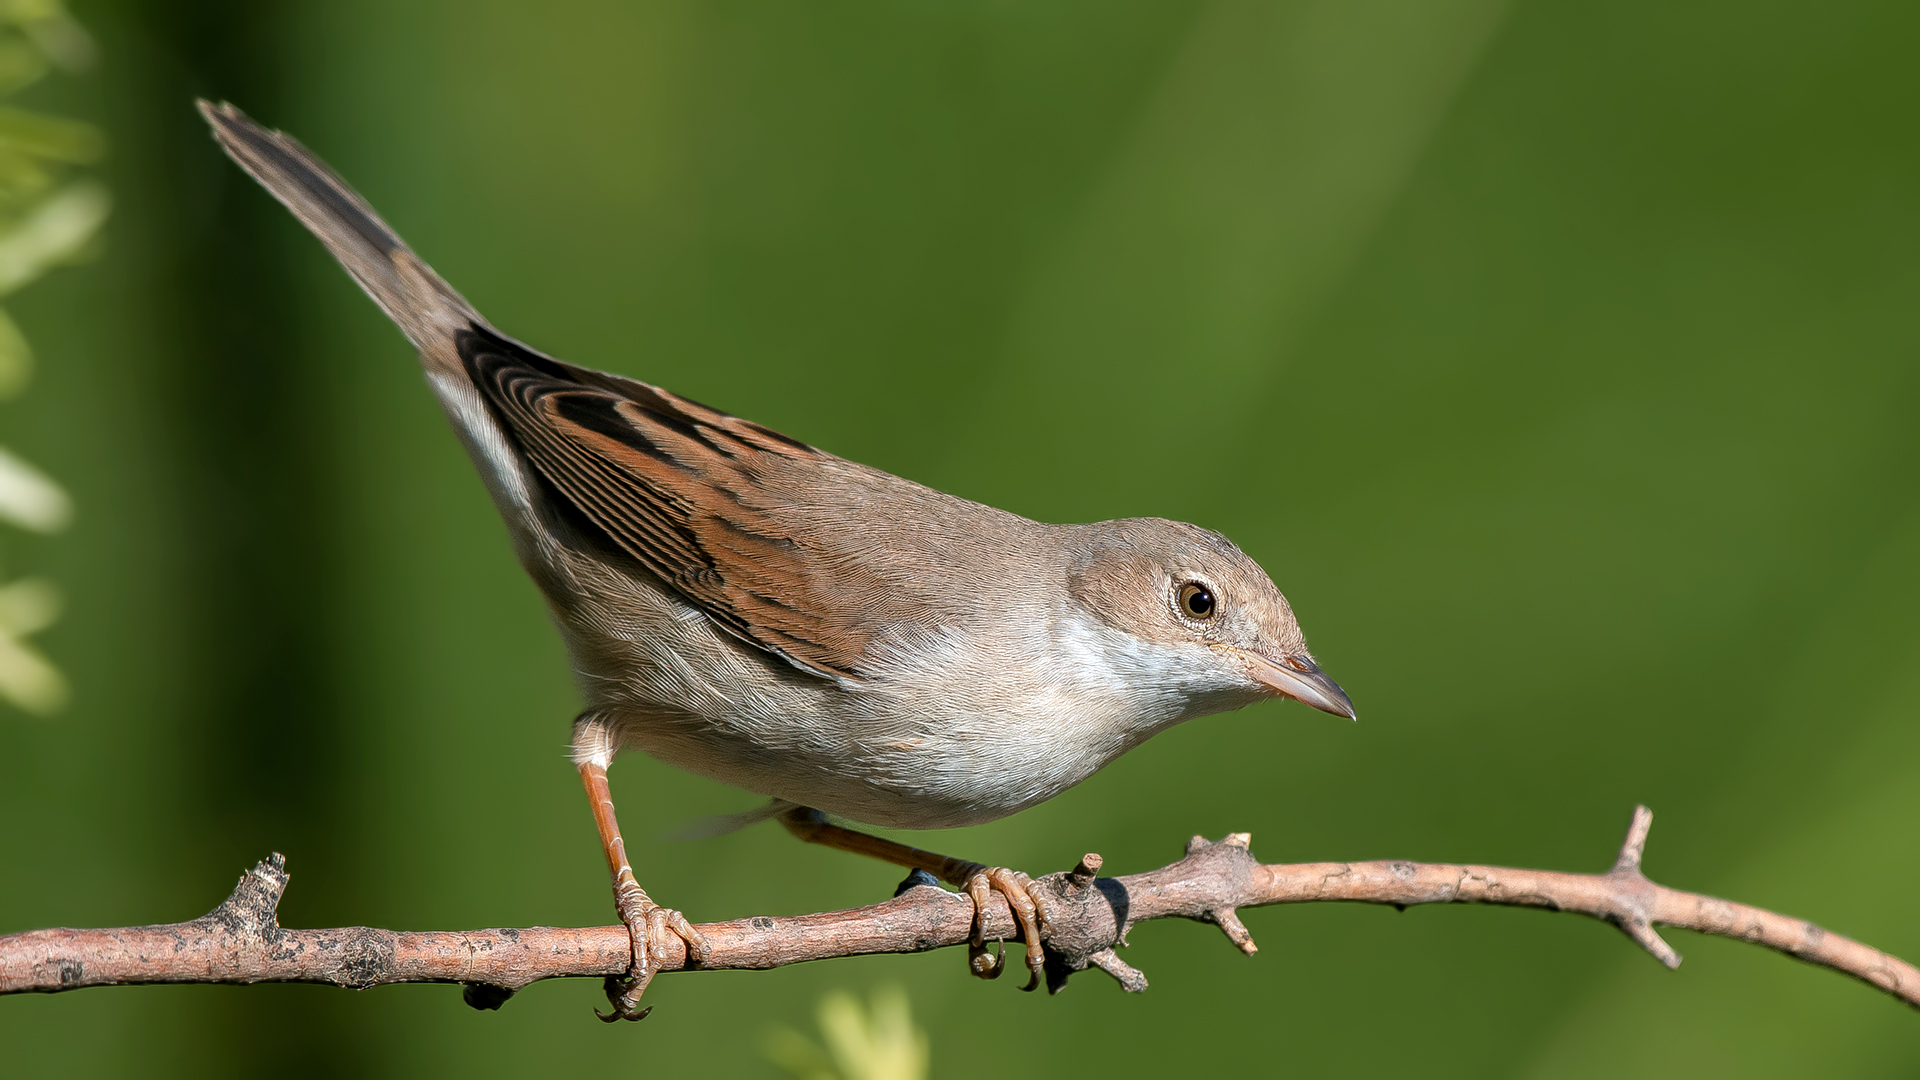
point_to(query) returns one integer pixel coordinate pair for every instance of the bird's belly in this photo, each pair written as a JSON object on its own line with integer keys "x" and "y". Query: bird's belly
{"x": 900, "y": 752}
{"x": 928, "y": 782}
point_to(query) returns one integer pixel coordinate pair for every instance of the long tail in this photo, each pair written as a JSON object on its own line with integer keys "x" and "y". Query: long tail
{"x": 433, "y": 316}
{"x": 407, "y": 289}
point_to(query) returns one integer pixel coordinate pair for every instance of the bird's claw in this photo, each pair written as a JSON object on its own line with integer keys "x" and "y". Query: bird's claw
{"x": 1029, "y": 912}
{"x": 648, "y": 925}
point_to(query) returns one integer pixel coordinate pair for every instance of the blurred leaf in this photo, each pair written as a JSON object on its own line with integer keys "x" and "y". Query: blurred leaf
{"x": 50, "y": 137}
{"x": 53, "y": 32}
{"x": 27, "y": 679}
{"x": 22, "y": 177}
{"x": 21, "y": 64}
{"x": 29, "y": 606}
{"x": 16, "y": 357}
{"x": 56, "y": 231}
{"x": 22, "y": 12}
{"x": 798, "y": 1055}
{"x": 64, "y": 41}
{"x": 877, "y": 1041}
{"x": 29, "y": 498}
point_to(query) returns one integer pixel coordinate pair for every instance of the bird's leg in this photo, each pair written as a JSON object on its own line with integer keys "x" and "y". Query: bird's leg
{"x": 1028, "y": 904}
{"x": 648, "y": 923}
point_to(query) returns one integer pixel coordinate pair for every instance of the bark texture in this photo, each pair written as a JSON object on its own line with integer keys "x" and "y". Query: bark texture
{"x": 241, "y": 941}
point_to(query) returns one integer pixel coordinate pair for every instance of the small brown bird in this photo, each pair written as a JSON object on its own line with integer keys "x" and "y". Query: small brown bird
{"x": 752, "y": 609}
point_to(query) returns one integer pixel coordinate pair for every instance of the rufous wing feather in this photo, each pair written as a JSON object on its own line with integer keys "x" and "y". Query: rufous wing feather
{"x": 673, "y": 483}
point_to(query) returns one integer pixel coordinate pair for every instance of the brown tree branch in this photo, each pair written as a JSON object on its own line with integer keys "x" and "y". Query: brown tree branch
{"x": 241, "y": 942}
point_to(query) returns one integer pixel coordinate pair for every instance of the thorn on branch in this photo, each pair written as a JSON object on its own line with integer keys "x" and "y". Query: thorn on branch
{"x": 1632, "y": 922}
{"x": 1229, "y": 922}
{"x": 1129, "y": 977}
{"x": 252, "y": 909}
{"x": 1635, "y": 844}
{"x": 1088, "y": 869}
{"x": 1647, "y": 938}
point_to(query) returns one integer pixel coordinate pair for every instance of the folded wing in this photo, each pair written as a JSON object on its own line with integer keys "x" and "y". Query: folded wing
{"x": 684, "y": 490}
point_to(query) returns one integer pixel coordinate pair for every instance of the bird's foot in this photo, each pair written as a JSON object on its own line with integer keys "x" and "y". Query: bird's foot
{"x": 648, "y": 925}
{"x": 1029, "y": 912}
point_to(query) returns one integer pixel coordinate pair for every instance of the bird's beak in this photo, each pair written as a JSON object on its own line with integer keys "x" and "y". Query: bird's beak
{"x": 1297, "y": 677}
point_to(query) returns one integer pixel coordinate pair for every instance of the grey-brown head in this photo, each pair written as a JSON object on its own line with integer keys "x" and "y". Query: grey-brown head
{"x": 1199, "y": 617}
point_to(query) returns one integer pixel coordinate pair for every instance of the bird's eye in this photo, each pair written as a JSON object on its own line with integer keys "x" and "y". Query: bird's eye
{"x": 1196, "y": 601}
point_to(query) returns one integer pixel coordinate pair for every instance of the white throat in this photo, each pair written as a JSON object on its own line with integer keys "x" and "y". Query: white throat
{"x": 1147, "y": 685}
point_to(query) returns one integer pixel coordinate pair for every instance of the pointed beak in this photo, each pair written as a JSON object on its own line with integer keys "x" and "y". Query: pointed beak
{"x": 1297, "y": 677}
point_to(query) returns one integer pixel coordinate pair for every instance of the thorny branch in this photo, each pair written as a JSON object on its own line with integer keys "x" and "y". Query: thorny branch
{"x": 241, "y": 941}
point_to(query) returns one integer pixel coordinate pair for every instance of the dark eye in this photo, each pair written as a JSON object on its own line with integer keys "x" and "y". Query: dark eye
{"x": 1196, "y": 601}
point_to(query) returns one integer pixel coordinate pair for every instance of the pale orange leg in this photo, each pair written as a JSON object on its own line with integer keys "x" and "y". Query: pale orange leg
{"x": 647, "y": 922}
{"x": 1028, "y": 904}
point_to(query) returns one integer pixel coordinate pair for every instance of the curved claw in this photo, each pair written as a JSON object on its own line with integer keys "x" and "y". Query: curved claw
{"x": 1029, "y": 911}
{"x": 622, "y": 993}
{"x": 647, "y": 929}
{"x": 985, "y": 964}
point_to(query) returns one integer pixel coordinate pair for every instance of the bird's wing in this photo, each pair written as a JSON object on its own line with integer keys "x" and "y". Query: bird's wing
{"x": 681, "y": 488}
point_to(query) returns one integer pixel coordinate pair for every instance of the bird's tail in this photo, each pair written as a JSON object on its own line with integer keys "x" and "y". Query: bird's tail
{"x": 407, "y": 289}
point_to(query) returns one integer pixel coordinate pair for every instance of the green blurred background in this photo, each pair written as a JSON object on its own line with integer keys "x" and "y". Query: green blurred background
{"x": 1559, "y": 360}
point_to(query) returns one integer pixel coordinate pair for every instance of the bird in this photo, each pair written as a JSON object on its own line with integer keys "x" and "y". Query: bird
{"x": 848, "y": 644}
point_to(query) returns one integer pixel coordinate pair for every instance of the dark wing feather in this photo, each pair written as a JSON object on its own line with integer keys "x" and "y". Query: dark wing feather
{"x": 673, "y": 484}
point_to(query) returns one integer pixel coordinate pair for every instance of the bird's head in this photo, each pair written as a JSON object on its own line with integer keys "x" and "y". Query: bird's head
{"x": 1196, "y": 616}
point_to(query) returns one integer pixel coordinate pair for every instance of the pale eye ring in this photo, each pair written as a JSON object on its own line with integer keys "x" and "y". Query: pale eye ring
{"x": 1196, "y": 601}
